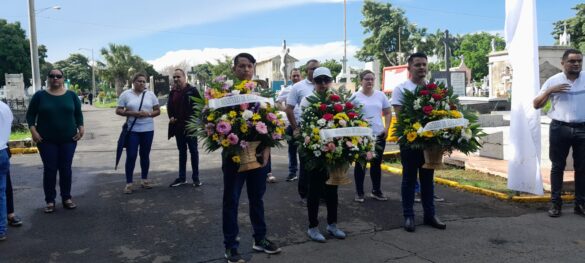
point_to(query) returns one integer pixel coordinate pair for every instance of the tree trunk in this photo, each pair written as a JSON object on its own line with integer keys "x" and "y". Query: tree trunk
{"x": 119, "y": 84}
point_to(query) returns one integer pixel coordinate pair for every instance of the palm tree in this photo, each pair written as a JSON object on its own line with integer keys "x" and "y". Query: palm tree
{"x": 119, "y": 60}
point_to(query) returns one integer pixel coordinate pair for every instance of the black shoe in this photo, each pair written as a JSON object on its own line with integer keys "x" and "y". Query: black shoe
{"x": 14, "y": 221}
{"x": 435, "y": 222}
{"x": 409, "y": 224}
{"x": 178, "y": 182}
{"x": 266, "y": 246}
{"x": 556, "y": 210}
{"x": 233, "y": 256}
{"x": 291, "y": 178}
{"x": 580, "y": 210}
{"x": 197, "y": 183}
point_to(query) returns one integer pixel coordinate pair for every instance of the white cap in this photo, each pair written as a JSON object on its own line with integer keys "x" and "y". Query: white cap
{"x": 321, "y": 71}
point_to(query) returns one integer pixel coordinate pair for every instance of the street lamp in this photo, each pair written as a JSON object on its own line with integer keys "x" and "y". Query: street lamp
{"x": 92, "y": 70}
{"x": 34, "y": 52}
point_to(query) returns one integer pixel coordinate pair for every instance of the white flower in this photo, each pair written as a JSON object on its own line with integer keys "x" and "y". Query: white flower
{"x": 229, "y": 82}
{"x": 420, "y": 130}
{"x": 432, "y": 100}
{"x": 416, "y": 105}
{"x": 317, "y": 153}
{"x": 263, "y": 105}
{"x": 330, "y": 124}
{"x": 321, "y": 122}
{"x": 447, "y": 107}
{"x": 224, "y": 117}
{"x": 247, "y": 114}
{"x": 235, "y": 92}
{"x": 343, "y": 123}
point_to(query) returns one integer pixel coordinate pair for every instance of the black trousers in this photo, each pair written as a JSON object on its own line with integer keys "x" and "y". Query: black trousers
{"x": 318, "y": 189}
{"x": 9, "y": 196}
{"x": 564, "y": 136}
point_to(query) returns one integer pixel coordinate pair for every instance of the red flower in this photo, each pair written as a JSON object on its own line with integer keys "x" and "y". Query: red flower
{"x": 427, "y": 109}
{"x": 431, "y": 86}
{"x": 424, "y": 92}
{"x": 334, "y": 97}
{"x": 338, "y": 107}
{"x": 323, "y": 107}
{"x": 352, "y": 115}
{"x": 452, "y": 106}
{"x": 348, "y": 105}
{"x": 437, "y": 96}
{"x": 328, "y": 116}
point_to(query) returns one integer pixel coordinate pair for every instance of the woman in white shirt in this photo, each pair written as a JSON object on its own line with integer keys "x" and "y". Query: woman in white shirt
{"x": 140, "y": 112}
{"x": 375, "y": 104}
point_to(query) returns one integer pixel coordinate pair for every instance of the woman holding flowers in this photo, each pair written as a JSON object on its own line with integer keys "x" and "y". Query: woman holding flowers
{"x": 318, "y": 174}
{"x": 374, "y": 104}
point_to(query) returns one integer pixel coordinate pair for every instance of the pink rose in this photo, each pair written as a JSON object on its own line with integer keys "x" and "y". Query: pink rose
{"x": 223, "y": 127}
{"x": 233, "y": 139}
{"x": 244, "y": 106}
{"x": 243, "y": 144}
{"x": 427, "y": 109}
{"x": 331, "y": 146}
{"x": 271, "y": 116}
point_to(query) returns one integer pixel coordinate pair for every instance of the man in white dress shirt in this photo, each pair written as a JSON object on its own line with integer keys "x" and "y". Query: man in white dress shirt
{"x": 566, "y": 92}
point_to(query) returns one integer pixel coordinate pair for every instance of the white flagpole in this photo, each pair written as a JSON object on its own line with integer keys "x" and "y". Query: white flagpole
{"x": 522, "y": 44}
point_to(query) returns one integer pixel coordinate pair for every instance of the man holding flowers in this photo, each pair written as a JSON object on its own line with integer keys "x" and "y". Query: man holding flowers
{"x": 413, "y": 159}
{"x": 244, "y": 125}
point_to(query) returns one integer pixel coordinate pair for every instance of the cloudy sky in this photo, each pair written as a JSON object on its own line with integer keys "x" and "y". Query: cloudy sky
{"x": 169, "y": 32}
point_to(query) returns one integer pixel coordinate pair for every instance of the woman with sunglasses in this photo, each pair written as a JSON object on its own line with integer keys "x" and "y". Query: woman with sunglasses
{"x": 318, "y": 176}
{"x": 56, "y": 124}
{"x": 375, "y": 105}
{"x": 140, "y": 106}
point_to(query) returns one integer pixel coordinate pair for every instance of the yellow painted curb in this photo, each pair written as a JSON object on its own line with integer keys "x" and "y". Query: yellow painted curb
{"x": 24, "y": 150}
{"x": 486, "y": 192}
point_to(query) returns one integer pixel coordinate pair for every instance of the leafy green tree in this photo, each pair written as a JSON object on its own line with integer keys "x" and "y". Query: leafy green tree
{"x": 575, "y": 27}
{"x": 121, "y": 64}
{"x": 202, "y": 73}
{"x": 390, "y": 33}
{"x": 475, "y": 48}
{"x": 77, "y": 69}
{"x": 222, "y": 68}
{"x": 332, "y": 65}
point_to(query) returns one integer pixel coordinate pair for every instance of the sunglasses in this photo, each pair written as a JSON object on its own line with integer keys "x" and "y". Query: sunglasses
{"x": 176, "y": 77}
{"x": 324, "y": 80}
{"x": 52, "y": 76}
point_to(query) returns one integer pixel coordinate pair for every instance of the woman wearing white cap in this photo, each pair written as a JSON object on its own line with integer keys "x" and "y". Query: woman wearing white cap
{"x": 317, "y": 177}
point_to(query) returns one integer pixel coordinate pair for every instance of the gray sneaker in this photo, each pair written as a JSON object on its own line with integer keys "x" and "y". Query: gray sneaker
{"x": 359, "y": 198}
{"x": 336, "y": 232}
{"x": 378, "y": 196}
{"x": 315, "y": 235}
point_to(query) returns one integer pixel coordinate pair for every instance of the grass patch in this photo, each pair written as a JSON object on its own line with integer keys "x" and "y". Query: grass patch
{"x": 111, "y": 104}
{"x": 468, "y": 177}
{"x": 20, "y": 135}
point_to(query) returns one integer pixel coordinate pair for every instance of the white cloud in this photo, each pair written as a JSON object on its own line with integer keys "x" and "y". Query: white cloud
{"x": 302, "y": 52}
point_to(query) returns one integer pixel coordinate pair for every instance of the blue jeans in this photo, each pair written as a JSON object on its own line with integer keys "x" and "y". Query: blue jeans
{"x": 144, "y": 140}
{"x": 412, "y": 161}
{"x": 57, "y": 157}
{"x": 184, "y": 142}
{"x": 233, "y": 182}
{"x": 292, "y": 154}
{"x": 359, "y": 171}
{"x": 562, "y": 138}
{"x": 4, "y": 166}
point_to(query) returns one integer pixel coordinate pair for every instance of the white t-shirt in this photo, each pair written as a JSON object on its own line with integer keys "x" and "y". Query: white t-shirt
{"x": 298, "y": 92}
{"x": 283, "y": 94}
{"x": 567, "y": 106}
{"x": 372, "y": 108}
{"x": 5, "y": 124}
{"x": 398, "y": 92}
{"x": 131, "y": 101}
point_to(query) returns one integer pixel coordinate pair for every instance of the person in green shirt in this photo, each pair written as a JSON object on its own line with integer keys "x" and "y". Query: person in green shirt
{"x": 56, "y": 124}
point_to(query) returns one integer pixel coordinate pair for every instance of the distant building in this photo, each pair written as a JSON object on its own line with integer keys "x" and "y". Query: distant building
{"x": 268, "y": 69}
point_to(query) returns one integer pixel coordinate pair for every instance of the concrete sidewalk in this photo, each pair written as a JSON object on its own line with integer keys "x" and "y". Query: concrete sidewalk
{"x": 183, "y": 224}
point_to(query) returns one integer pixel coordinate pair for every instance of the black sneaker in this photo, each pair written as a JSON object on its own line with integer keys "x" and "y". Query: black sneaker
{"x": 178, "y": 182}
{"x": 266, "y": 246}
{"x": 555, "y": 210}
{"x": 292, "y": 178}
{"x": 233, "y": 256}
{"x": 197, "y": 183}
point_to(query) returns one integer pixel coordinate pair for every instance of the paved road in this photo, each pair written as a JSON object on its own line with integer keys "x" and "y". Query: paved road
{"x": 184, "y": 224}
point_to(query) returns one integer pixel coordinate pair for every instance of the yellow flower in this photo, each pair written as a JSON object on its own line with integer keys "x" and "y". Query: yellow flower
{"x": 411, "y": 136}
{"x": 315, "y": 130}
{"x": 354, "y": 140}
{"x": 417, "y": 126}
{"x": 244, "y": 128}
{"x": 210, "y": 117}
{"x": 215, "y": 137}
{"x": 341, "y": 116}
{"x": 256, "y": 117}
{"x": 316, "y": 137}
{"x": 456, "y": 114}
{"x": 428, "y": 134}
{"x": 279, "y": 130}
{"x": 233, "y": 114}
{"x": 363, "y": 124}
{"x": 236, "y": 159}
{"x": 225, "y": 143}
